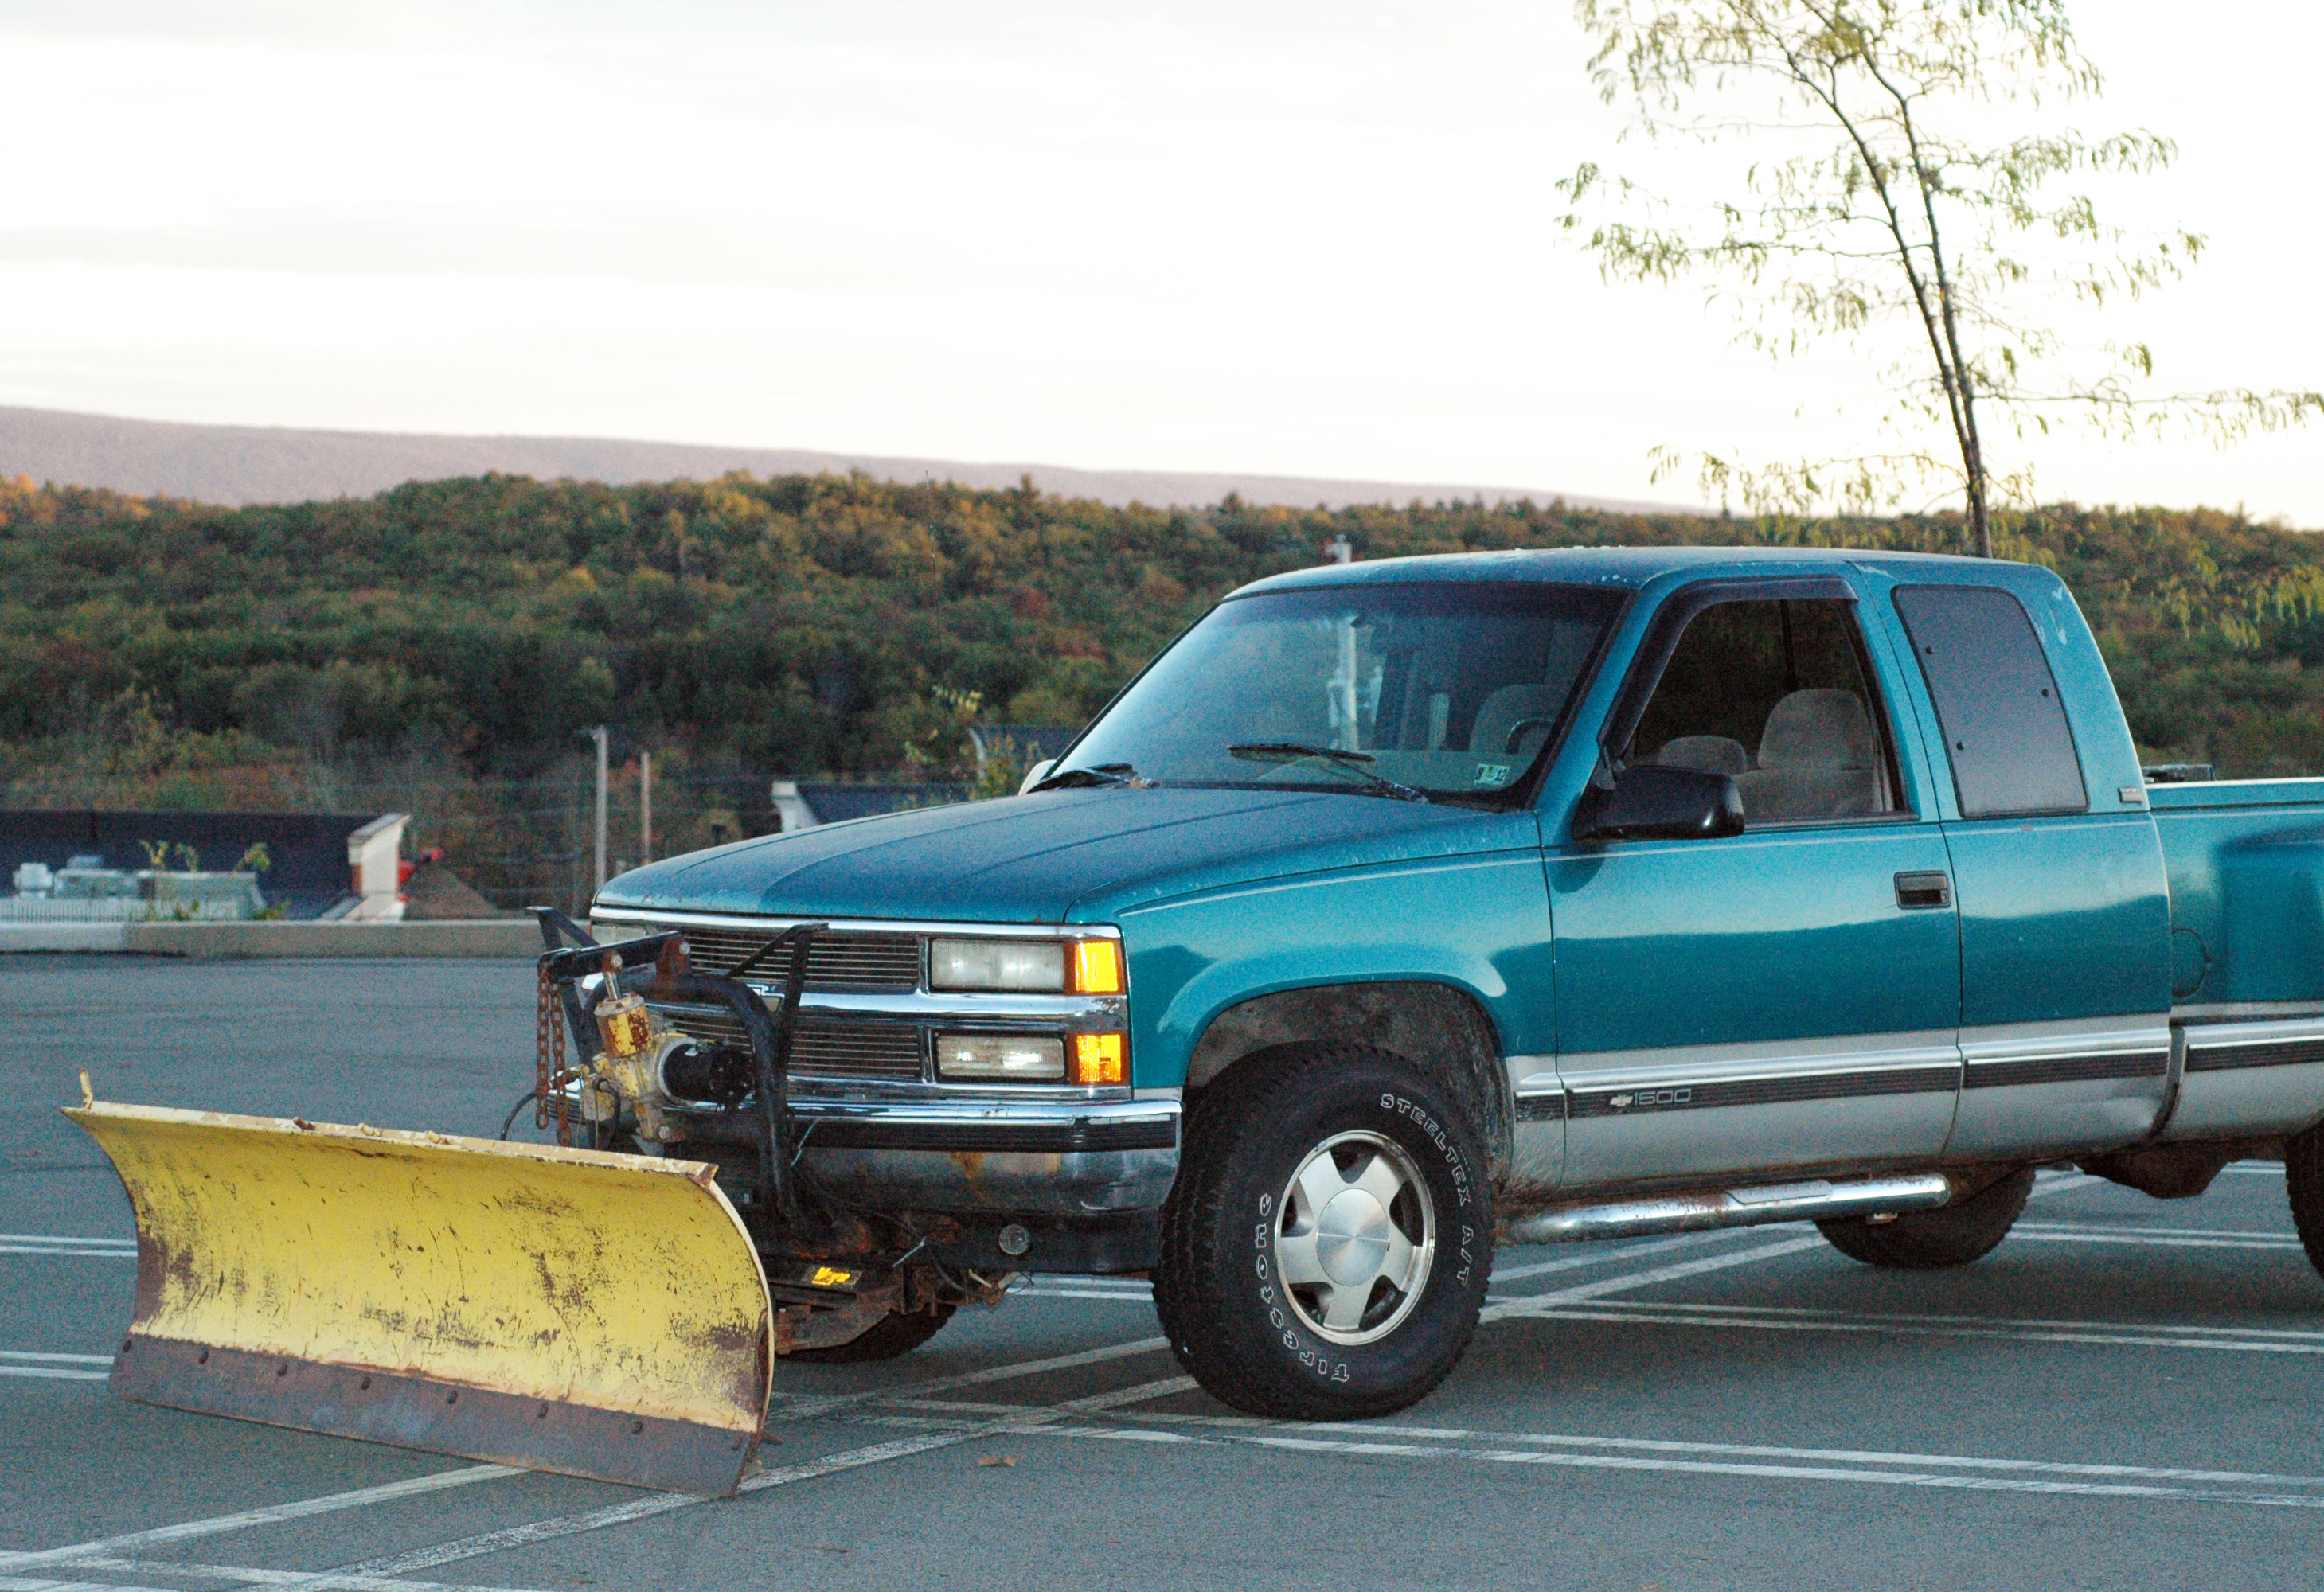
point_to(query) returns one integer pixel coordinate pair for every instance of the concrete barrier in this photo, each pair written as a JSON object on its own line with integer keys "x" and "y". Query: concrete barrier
{"x": 63, "y": 936}
{"x": 487, "y": 937}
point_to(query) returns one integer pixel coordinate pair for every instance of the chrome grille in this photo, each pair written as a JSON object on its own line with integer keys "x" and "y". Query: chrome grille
{"x": 819, "y": 1049}
{"x": 855, "y": 962}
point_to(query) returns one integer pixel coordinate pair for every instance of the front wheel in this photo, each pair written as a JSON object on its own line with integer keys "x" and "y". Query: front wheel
{"x": 1327, "y": 1247}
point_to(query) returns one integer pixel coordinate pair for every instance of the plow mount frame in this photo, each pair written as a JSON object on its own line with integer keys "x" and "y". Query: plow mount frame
{"x": 549, "y": 1306}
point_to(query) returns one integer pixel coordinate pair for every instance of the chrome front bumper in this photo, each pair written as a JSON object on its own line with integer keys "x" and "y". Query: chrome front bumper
{"x": 1018, "y": 1157}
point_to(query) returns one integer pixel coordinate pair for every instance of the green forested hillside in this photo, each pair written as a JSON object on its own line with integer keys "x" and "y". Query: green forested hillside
{"x": 466, "y": 629}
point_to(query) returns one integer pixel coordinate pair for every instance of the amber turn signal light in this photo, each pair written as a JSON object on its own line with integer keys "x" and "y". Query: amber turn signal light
{"x": 1100, "y": 1058}
{"x": 1097, "y": 967}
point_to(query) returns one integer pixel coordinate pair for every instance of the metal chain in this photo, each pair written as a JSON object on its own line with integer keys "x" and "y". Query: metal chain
{"x": 550, "y": 1073}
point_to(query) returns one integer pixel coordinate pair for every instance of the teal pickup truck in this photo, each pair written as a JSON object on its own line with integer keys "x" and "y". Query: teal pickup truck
{"x": 1401, "y": 910}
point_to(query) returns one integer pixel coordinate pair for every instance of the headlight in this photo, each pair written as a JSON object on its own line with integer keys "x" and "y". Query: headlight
{"x": 997, "y": 964}
{"x": 1085, "y": 967}
{"x": 1001, "y": 1058}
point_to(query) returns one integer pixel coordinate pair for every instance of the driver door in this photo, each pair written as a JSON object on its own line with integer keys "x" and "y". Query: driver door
{"x": 1784, "y": 998}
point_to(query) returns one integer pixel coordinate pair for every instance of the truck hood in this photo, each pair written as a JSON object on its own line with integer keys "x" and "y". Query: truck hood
{"x": 1059, "y": 857}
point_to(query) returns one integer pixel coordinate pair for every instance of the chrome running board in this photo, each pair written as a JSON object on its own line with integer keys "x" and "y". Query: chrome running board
{"x": 1733, "y": 1208}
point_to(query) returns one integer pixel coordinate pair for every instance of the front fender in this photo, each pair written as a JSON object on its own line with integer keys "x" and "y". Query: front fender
{"x": 1478, "y": 923}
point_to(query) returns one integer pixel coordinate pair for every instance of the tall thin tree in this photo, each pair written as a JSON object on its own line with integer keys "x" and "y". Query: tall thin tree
{"x": 1902, "y": 190}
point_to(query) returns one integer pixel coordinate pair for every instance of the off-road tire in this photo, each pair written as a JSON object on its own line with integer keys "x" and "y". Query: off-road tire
{"x": 2303, "y": 1184}
{"x": 891, "y": 1337}
{"x": 1219, "y": 1291}
{"x": 1938, "y": 1239}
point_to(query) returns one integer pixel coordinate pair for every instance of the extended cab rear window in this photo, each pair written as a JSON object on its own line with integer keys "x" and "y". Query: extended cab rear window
{"x": 2005, "y": 725}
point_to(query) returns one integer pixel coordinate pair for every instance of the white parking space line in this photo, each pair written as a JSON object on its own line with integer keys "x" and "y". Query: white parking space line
{"x": 2159, "y": 1237}
{"x": 2046, "y": 1183}
{"x": 59, "y": 1367}
{"x": 1603, "y": 1254}
{"x": 246, "y": 1519}
{"x": 1847, "y": 1456}
{"x": 2288, "y": 1334}
{"x": 2122, "y": 1334}
{"x": 2088, "y": 1227}
{"x": 1045, "y": 1285}
{"x": 307, "y": 1580}
{"x": 1119, "y": 1298}
{"x": 1862, "y": 1467}
{"x": 2273, "y": 1169}
{"x": 1526, "y": 1304}
{"x": 1906, "y": 1478}
{"x": 65, "y": 1244}
{"x": 273, "y": 1514}
{"x": 567, "y": 1525}
{"x": 807, "y": 1407}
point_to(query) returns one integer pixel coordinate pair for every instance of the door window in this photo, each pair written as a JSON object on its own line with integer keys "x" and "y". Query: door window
{"x": 1774, "y": 693}
{"x": 2012, "y": 749}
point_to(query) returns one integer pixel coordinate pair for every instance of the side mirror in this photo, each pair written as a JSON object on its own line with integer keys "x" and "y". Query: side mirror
{"x": 1648, "y": 802}
{"x": 1036, "y": 774}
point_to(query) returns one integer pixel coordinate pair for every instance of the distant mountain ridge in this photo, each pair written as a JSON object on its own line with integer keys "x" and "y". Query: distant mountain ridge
{"x": 241, "y": 465}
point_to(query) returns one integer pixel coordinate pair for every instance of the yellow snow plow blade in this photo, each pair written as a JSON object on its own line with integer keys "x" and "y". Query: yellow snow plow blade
{"x": 563, "y": 1309}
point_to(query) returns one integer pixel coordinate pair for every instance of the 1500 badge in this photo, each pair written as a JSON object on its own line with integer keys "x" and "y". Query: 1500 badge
{"x": 1644, "y": 1098}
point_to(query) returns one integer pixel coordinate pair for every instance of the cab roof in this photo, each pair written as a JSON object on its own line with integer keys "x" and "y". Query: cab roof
{"x": 1622, "y": 568}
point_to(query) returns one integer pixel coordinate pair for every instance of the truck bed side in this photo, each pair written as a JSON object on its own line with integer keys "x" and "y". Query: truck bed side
{"x": 2246, "y": 867}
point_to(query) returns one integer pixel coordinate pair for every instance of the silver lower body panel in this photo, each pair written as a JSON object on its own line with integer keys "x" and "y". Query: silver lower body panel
{"x": 2258, "y": 1077}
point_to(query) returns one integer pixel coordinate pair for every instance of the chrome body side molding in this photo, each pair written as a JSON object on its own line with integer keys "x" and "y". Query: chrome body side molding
{"x": 1722, "y": 1110}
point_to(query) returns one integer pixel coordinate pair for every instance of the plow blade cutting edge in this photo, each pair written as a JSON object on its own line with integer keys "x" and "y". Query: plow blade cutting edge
{"x": 573, "y": 1310}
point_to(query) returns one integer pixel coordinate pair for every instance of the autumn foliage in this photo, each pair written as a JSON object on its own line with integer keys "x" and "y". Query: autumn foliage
{"x": 837, "y": 624}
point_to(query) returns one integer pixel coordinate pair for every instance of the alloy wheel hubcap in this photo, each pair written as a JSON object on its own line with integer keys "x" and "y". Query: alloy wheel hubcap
{"x": 1355, "y": 1237}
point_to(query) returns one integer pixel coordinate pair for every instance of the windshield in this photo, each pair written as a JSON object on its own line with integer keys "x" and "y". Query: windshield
{"x": 1442, "y": 689}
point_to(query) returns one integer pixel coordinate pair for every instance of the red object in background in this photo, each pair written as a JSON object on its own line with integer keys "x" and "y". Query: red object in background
{"x": 405, "y": 866}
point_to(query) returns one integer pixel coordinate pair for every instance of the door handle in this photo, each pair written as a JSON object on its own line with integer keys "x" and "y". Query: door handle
{"x": 1918, "y": 892}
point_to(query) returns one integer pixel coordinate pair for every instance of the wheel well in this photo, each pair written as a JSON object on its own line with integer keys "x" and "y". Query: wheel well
{"x": 1437, "y": 1030}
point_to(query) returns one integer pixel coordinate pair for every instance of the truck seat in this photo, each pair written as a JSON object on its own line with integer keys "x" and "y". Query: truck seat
{"x": 1815, "y": 760}
{"x": 1513, "y": 721}
{"x": 1710, "y": 754}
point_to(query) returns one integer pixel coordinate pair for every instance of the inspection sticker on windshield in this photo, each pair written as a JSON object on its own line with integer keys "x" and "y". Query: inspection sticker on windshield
{"x": 1492, "y": 774}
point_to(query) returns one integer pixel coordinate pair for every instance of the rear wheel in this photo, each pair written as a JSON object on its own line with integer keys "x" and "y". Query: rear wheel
{"x": 1325, "y": 1248}
{"x": 2303, "y": 1181}
{"x": 1934, "y": 1240}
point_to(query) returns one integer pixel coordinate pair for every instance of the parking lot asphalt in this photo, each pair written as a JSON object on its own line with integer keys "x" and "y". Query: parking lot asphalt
{"x": 2122, "y": 1395}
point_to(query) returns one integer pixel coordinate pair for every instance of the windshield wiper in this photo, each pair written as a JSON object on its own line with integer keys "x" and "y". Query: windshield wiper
{"x": 1097, "y": 774}
{"x": 1291, "y": 751}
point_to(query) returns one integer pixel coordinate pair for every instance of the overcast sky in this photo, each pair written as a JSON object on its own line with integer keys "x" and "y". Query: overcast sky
{"x": 1294, "y": 238}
